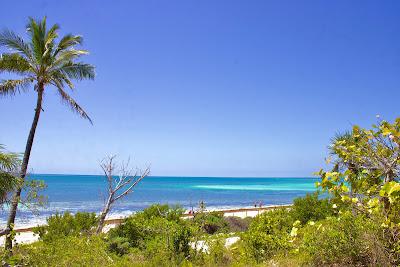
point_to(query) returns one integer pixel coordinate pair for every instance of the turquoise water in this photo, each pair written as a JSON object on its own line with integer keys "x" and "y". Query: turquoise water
{"x": 87, "y": 193}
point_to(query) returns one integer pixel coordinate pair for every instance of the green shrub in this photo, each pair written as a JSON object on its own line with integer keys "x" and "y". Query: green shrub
{"x": 157, "y": 231}
{"x": 218, "y": 254}
{"x": 62, "y": 225}
{"x": 268, "y": 234}
{"x": 181, "y": 236}
{"x": 171, "y": 213}
{"x": 211, "y": 222}
{"x": 345, "y": 240}
{"x": 134, "y": 229}
{"x": 119, "y": 245}
{"x": 237, "y": 224}
{"x": 67, "y": 251}
{"x": 311, "y": 208}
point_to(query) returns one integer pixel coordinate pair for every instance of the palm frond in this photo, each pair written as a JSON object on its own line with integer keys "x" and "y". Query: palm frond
{"x": 11, "y": 87}
{"x": 345, "y": 136}
{"x": 37, "y": 32}
{"x": 78, "y": 71}
{"x": 49, "y": 45}
{"x": 67, "y": 56}
{"x": 9, "y": 162}
{"x": 337, "y": 139}
{"x": 8, "y": 183}
{"x": 51, "y": 35}
{"x": 72, "y": 103}
{"x": 59, "y": 78}
{"x": 13, "y": 63}
{"x": 12, "y": 41}
{"x": 9, "y": 165}
{"x": 68, "y": 41}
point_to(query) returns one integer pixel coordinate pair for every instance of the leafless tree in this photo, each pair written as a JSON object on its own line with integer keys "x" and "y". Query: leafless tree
{"x": 119, "y": 184}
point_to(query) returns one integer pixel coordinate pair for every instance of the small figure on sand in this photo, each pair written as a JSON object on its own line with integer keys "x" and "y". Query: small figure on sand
{"x": 202, "y": 206}
{"x": 259, "y": 204}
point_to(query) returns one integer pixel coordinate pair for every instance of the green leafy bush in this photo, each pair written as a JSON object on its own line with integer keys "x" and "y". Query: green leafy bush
{"x": 268, "y": 234}
{"x": 218, "y": 254}
{"x": 62, "y": 225}
{"x": 119, "y": 245}
{"x": 311, "y": 208}
{"x": 344, "y": 241}
{"x": 237, "y": 224}
{"x": 134, "y": 229}
{"x": 171, "y": 213}
{"x": 211, "y": 222}
{"x": 67, "y": 251}
{"x": 170, "y": 244}
{"x": 158, "y": 231}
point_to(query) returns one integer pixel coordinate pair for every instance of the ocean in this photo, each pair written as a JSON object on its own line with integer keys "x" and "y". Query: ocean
{"x": 74, "y": 193}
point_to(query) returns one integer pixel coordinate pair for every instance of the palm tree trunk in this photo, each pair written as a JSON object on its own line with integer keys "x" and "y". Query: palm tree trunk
{"x": 24, "y": 167}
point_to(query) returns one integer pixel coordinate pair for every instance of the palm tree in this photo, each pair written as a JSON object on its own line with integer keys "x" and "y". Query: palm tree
{"x": 9, "y": 164}
{"x": 43, "y": 62}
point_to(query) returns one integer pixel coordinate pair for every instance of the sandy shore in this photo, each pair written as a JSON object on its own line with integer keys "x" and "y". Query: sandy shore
{"x": 26, "y": 236}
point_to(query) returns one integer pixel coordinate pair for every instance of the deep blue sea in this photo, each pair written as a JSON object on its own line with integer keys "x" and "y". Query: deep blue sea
{"x": 87, "y": 193}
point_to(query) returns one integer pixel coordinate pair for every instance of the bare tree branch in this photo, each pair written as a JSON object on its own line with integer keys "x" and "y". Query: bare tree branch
{"x": 118, "y": 185}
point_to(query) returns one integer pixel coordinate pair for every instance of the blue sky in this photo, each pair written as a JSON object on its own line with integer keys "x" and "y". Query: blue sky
{"x": 212, "y": 88}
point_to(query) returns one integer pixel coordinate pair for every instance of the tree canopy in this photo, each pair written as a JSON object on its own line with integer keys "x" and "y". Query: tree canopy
{"x": 367, "y": 164}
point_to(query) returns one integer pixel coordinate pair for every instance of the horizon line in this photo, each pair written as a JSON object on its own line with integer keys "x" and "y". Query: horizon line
{"x": 183, "y": 176}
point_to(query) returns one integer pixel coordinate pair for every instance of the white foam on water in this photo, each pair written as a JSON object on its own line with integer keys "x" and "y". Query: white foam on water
{"x": 299, "y": 187}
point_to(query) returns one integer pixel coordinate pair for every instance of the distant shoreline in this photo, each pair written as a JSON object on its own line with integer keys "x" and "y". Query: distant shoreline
{"x": 26, "y": 235}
